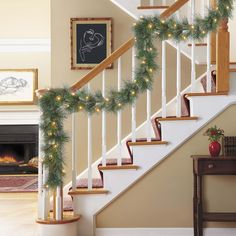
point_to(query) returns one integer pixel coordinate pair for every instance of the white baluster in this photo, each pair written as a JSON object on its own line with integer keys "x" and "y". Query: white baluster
{"x": 163, "y": 2}
{"x": 40, "y": 177}
{"x": 74, "y": 154}
{"x": 134, "y": 104}
{"x": 178, "y": 83}
{"x": 149, "y": 124}
{"x": 45, "y": 198}
{"x": 119, "y": 117}
{"x": 208, "y": 57}
{"x": 193, "y": 68}
{"x": 163, "y": 85}
{"x": 203, "y": 8}
{"x": 58, "y": 204}
{"x": 90, "y": 181}
{"x": 104, "y": 147}
{"x": 151, "y": 2}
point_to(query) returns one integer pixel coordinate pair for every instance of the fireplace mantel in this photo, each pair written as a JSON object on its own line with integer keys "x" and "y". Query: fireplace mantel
{"x": 18, "y": 117}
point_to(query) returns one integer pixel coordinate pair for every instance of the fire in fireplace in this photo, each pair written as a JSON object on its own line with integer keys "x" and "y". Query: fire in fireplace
{"x": 18, "y": 146}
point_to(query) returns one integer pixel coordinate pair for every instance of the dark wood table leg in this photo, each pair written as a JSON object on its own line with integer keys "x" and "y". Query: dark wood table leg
{"x": 195, "y": 201}
{"x": 199, "y": 207}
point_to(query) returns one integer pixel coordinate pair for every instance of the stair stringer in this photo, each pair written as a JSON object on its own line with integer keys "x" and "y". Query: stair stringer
{"x": 147, "y": 157}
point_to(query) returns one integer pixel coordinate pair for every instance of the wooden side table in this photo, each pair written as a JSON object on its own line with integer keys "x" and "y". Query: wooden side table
{"x": 206, "y": 165}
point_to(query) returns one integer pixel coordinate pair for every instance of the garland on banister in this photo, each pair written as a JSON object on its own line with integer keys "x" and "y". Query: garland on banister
{"x": 56, "y": 104}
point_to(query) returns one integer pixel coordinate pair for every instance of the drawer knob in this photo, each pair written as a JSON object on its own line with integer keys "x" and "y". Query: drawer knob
{"x": 210, "y": 166}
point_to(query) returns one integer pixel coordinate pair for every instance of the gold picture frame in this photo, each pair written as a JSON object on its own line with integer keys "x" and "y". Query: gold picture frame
{"x": 17, "y": 86}
{"x": 91, "y": 41}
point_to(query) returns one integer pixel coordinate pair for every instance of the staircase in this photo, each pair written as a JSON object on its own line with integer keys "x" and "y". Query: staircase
{"x": 159, "y": 135}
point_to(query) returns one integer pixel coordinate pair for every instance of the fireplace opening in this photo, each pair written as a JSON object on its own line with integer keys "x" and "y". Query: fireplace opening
{"x": 18, "y": 149}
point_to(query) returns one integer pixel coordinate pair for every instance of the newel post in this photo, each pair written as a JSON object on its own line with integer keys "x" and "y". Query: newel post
{"x": 222, "y": 57}
{"x": 213, "y": 39}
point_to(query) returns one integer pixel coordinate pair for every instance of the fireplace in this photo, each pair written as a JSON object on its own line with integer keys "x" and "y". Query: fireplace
{"x": 18, "y": 148}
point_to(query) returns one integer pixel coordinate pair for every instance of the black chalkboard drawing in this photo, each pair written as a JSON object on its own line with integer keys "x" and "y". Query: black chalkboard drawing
{"x": 17, "y": 86}
{"x": 90, "y": 41}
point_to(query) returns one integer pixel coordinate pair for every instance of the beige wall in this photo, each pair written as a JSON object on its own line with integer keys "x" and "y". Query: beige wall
{"x": 63, "y": 75}
{"x": 26, "y": 19}
{"x": 163, "y": 198}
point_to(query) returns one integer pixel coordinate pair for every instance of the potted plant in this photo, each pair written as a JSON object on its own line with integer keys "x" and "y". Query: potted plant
{"x": 214, "y": 135}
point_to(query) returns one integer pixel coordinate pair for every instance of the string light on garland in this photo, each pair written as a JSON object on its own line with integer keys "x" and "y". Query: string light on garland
{"x": 57, "y": 104}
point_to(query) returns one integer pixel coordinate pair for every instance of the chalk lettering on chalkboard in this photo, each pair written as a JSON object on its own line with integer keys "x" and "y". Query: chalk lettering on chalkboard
{"x": 90, "y": 41}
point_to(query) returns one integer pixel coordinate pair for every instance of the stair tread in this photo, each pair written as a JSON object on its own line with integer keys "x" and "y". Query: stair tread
{"x": 198, "y": 44}
{"x": 205, "y": 94}
{"x": 87, "y": 191}
{"x": 173, "y": 118}
{"x": 144, "y": 142}
{"x": 115, "y": 167}
{"x": 151, "y": 7}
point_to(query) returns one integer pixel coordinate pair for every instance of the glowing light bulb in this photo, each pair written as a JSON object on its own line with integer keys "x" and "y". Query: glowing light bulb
{"x": 58, "y": 98}
{"x": 150, "y": 26}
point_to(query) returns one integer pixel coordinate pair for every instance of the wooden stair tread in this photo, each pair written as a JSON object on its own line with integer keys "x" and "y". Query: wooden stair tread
{"x": 66, "y": 219}
{"x": 151, "y": 7}
{"x": 115, "y": 167}
{"x": 232, "y": 70}
{"x": 89, "y": 191}
{"x": 198, "y": 44}
{"x": 148, "y": 143}
{"x": 205, "y": 94}
{"x": 178, "y": 118}
{"x": 232, "y": 63}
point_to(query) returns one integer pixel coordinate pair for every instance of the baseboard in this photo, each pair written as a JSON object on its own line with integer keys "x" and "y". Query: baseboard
{"x": 163, "y": 232}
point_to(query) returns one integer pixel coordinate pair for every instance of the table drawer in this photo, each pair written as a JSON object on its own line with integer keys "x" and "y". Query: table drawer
{"x": 216, "y": 166}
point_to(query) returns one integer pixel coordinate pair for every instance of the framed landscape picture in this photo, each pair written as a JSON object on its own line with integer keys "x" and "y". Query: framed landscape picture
{"x": 91, "y": 41}
{"x": 17, "y": 86}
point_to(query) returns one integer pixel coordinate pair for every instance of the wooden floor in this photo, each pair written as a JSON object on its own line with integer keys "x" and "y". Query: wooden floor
{"x": 18, "y": 212}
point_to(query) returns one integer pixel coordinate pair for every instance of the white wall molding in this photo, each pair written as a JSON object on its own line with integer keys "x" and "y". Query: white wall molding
{"x": 19, "y": 117}
{"x": 25, "y": 45}
{"x": 163, "y": 231}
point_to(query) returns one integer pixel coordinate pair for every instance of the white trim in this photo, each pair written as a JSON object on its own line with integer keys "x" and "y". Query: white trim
{"x": 163, "y": 231}
{"x": 19, "y": 117}
{"x": 25, "y": 45}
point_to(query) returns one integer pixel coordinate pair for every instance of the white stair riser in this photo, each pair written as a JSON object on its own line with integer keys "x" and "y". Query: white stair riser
{"x": 180, "y": 128}
{"x": 121, "y": 176}
{"x": 205, "y": 106}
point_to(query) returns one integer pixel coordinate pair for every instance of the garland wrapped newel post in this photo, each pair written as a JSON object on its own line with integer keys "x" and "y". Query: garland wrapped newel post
{"x": 57, "y": 104}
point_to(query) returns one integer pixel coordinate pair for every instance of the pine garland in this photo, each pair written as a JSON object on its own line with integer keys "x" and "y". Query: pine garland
{"x": 57, "y": 104}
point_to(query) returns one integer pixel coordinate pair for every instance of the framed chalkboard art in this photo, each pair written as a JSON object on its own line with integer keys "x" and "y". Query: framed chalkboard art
{"x": 91, "y": 41}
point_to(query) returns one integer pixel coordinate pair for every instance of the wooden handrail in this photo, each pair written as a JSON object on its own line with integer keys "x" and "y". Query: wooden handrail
{"x": 173, "y": 8}
{"x": 104, "y": 64}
